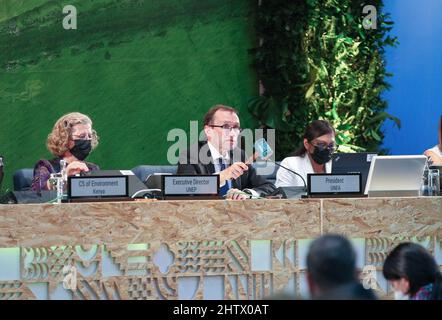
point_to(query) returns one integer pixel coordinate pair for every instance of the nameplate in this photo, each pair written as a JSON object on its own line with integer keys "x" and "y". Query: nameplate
{"x": 348, "y": 183}
{"x": 190, "y": 185}
{"x": 97, "y": 187}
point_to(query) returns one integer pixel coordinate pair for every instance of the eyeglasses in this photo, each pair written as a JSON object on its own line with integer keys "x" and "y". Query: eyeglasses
{"x": 227, "y": 128}
{"x": 323, "y": 145}
{"x": 83, "y": 136}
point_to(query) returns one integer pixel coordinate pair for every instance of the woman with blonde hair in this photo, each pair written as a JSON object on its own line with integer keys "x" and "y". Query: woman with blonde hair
{"x": 71, "y": 139}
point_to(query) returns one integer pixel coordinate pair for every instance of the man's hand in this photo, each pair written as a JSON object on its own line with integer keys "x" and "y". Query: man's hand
{"x": 234, "y": 171}
{"x": 236, "y": 194}
{"x": 433, "y": 157}
{"x": 76, "y": 167}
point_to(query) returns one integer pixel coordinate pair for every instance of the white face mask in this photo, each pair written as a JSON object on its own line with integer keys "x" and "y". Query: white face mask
{"x": 399, "y": 295}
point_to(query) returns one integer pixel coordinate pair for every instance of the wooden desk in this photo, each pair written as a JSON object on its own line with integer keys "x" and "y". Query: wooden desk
{"x": 196, "y": 249}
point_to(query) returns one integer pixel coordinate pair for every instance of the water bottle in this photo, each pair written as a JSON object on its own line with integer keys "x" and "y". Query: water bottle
{"x": 63, "y": 171}
{"x": 433, "y": 182}
{"x": 61, "y": 181}
{"x": 425, "y": 189}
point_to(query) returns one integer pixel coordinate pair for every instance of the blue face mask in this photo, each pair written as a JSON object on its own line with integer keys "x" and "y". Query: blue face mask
{"x": 81, "y": 149}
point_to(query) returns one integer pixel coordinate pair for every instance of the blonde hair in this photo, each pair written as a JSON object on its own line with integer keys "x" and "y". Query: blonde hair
{"x": 58, "y": 140}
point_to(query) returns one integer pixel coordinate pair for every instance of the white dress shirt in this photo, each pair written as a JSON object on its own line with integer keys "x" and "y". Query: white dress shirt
{"x": 216, "y": 157}
{"x": 436, "y": 150}
{"x": 300, "y": 165}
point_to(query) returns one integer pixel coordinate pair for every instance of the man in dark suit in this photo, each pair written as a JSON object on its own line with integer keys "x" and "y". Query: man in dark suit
{"x": 219, "y": 154}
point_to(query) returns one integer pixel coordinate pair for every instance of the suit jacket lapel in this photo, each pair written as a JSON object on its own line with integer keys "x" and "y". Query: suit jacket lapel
{"x": 236, "y": 183}
{"x": 208, "y": 168}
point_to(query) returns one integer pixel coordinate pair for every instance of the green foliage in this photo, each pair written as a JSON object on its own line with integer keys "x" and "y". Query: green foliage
{"x": 138, "y": 68}
{"x": 316, "y": 61}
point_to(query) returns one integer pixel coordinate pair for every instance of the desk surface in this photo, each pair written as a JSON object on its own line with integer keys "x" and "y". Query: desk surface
{"x": 103, "y": 222}
{"x": 156, "y": 249}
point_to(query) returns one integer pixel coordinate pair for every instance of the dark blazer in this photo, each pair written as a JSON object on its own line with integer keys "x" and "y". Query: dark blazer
{"x": 190, "y": 164}
{"x": 43, "y": 169}
{"x": 350, "y": 291}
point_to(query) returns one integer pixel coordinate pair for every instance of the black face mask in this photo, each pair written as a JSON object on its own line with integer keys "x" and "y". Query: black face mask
{"x": 81, "y": 149}
{"x": 321, "y": 155}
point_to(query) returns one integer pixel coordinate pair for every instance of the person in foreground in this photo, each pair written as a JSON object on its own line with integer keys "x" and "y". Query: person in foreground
{"x": 331, "y": 270}
{"x": 435, "y": 154}
{"x": 314, "y": 156}
{"x": 220, "y": 155}
{"x": 413, "y": 273}
{"x": 71, "y": 139}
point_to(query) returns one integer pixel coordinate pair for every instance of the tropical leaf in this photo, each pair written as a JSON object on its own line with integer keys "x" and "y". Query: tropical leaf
{"x": 318, "y": 62}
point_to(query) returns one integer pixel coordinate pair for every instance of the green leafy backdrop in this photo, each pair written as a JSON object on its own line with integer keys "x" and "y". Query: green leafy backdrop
{"x": 316, "y": 61}
{"x": 139, "y": 68}
{"x": 142, "y": 67}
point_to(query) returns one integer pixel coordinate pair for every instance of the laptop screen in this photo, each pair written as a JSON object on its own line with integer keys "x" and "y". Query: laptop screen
{"x": 396, "y": 174}
{"x": 352, "y": 163}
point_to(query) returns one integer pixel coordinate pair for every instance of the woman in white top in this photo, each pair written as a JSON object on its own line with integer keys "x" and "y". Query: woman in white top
{"x": 314, "y": 156}
{"x": 435, "y": 154}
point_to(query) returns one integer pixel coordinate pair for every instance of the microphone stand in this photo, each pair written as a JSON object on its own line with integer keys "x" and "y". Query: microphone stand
{"x": 1, "y": 171}
{"x": 256, "y": 155}
{"x": 292, "y": 171}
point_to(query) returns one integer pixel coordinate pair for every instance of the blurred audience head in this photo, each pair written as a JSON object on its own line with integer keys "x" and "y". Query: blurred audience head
{"x": 331, "y": 270}
{"x": 413, "y": 272}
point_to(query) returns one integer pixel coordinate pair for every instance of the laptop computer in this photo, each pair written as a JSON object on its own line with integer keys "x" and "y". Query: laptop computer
{"x": 353, "y": 163}
{"x": 395, "y": 176}
{"x": 25, "y": 197}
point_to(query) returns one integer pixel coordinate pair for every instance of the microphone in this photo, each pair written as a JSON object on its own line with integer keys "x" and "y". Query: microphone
{"x": 292, "y": 171}
{"x": 1, "y": 170}
{"x": 264, "y": 151}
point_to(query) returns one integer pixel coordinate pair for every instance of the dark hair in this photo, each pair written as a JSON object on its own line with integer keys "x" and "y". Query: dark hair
{"x": 414, "y": 263}
{"x": 331, "y": 261}
{"x": 209, "y": 115}
{"x": 315, "y": 129}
